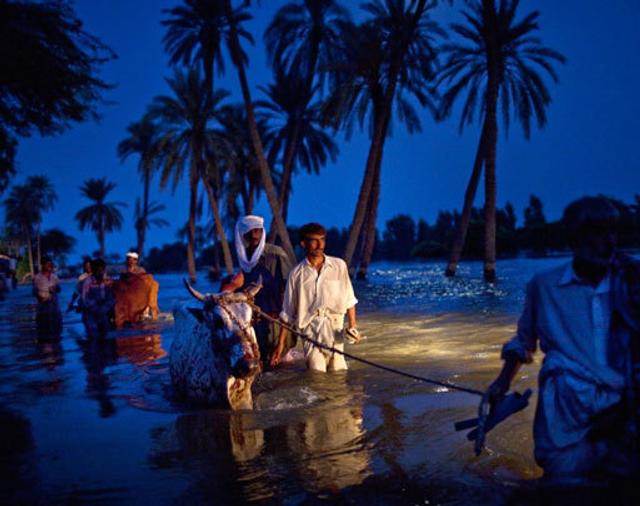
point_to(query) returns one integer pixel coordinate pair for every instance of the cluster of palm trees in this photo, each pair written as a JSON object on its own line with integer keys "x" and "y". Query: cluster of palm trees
{"x": 330, "y": 73}
{"x": 27, "y": 203}
{"x": 25, "y": 207}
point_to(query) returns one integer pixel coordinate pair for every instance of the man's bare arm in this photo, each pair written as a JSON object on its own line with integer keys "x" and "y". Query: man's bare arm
{"x": 277, "y": 354}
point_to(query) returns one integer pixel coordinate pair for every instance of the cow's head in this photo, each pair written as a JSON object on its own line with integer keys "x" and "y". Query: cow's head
{"x": 229, "y": 317}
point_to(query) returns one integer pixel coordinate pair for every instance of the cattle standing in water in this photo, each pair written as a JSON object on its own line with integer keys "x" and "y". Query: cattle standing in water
{"x": 135, "y": 295}
{"x": 214, "y": 357}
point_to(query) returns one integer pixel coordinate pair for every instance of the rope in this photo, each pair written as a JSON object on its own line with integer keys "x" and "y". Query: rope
{"x": 445, "y": 384}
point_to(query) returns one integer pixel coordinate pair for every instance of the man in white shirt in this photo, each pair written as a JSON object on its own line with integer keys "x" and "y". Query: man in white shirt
{"x": 585, "y": 316}
{"x": 316, "y": 299}
{"x": 46, "y": 284}
{"x": 46, "y": 288}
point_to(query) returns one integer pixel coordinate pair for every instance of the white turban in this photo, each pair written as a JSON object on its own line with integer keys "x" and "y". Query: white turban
{"x": 243, "y": 226}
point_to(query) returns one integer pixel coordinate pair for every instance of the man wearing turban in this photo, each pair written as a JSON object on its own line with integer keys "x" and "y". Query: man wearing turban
{"x": 269, "y": 263}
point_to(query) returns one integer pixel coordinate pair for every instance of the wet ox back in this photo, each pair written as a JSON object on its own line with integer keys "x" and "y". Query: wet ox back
{"x": 133, "y": 295}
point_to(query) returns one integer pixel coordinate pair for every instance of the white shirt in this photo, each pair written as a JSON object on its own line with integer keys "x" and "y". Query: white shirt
{"x": 310, "y": 292}
{"x": 42, "y": 285}
{"x": 570, "y": 320}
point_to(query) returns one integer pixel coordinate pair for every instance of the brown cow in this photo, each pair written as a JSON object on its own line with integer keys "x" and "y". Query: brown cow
{"x": 135, "y": 293}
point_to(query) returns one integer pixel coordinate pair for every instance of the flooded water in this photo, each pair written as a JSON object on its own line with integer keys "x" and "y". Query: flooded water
{"x": 96, "y": 423}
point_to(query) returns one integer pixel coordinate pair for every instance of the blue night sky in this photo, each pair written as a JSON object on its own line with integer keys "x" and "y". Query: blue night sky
{"x": 587, "y": 147}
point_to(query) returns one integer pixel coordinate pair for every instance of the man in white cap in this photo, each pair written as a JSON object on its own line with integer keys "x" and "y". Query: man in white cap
{"x": 268, "y": 262}
{"x": 132, "y": 264}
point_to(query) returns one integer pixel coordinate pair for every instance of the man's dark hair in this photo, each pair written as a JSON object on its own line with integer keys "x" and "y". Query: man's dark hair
{"x": 45, "y": 259}
{"x": 587, "y": 212}
{"x": 96, "y": 263}
{"x": 311, "y": 229}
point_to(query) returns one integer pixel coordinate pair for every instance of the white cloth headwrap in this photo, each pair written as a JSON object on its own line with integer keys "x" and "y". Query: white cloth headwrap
{"x": 244, "y": 225}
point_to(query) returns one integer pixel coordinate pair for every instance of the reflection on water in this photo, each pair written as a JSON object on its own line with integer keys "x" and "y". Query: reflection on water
{"x": 103, "y": 413}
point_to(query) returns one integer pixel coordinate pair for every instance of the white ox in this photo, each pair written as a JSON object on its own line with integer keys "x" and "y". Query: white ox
{"x": 214, "y": 357}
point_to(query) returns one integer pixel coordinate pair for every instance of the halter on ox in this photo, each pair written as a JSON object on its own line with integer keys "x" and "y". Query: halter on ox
{"x": 216, "y": 357}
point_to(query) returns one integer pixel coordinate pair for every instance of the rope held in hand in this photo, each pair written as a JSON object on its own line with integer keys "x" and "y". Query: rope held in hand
{"x": 445, "y": 384}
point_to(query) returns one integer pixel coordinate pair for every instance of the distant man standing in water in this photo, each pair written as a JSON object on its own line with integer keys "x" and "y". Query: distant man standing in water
{"x": 97, "y": 300}
{"x": 317, "y": 297}
{"x": 269, "y": 264}
{"x": 585, "y": 315}
{"x": 132, "y": 266}
{"x": 46, "y": 288}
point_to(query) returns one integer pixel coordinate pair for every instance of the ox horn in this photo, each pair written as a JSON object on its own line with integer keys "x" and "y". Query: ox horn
{"x": 196, "y": 294}
{"x": 254, "y": 288}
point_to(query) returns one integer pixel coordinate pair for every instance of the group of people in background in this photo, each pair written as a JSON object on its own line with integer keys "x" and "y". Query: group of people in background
{"x": 93, "y": 296}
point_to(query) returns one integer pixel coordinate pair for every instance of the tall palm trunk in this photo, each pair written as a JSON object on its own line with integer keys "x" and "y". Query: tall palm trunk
{"x": 492, "y": 140}
{"x": 377, "y": 145}
{"x": 142, "y": 232}
{"x": 373, "y": 160}
{"x": 292, "y": 142}
{"x": 191, "y": 225}
{"x": 469, "y": 196}
{"x": 38, "y": 247}
{"x": 287, "y": 172}
{"x": 265, "y": 174}
{"x": 215, "y": 208}
{"x": 101, "y": 238}
{"x": 250, "y": 200}
{"x": 27, "y": 235}
{"x": 370, "y": 233}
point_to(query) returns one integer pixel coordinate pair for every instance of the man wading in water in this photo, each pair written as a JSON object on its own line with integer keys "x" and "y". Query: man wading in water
{"x": 585, "y": 315}
{"x": 318, "y": 295}
{"x": 266, "y": 263}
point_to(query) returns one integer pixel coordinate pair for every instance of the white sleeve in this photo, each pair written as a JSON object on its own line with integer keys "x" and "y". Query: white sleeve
{"x": 347, "y": 289}
{"x": 288, "y": 313}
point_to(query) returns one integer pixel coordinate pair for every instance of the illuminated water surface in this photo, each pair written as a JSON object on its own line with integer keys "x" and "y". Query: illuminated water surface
{"x": 96, "y": 423}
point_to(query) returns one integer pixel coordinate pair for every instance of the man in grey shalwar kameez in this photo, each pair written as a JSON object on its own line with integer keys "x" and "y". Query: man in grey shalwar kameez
{"x": 585, "y": 316}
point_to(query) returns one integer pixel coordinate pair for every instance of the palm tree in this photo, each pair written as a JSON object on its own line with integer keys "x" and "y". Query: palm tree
{"x": 100, "y": 216}
{"x": 142, "y": 141}
{"x": 239, "y": 58}
{"x": 302, "y": 37}
{"x": 242, "y": 173}
{"x": 43, "y": 198}
{"x": 57, "y": 244}
{"x": 184, "y": 145}
{"x": 20, "y": 212}
{"x": 294, "y": 132}
{"x": 144, "y": 220}
{"x": 382, "y": 60}
{"x": 194, "y": 35}
{"x": 24, "y": 208}
{"x": 498, "y": 61}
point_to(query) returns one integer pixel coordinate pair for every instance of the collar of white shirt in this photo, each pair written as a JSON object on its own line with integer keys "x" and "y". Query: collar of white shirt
{"x": 328, "y": 263}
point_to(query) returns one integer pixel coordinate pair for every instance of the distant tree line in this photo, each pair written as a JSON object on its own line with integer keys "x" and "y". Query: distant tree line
{"x": 405, "y": 239}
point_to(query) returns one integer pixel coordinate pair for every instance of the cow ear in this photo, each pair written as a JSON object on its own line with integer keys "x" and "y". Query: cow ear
{"x": 197, "y": 313}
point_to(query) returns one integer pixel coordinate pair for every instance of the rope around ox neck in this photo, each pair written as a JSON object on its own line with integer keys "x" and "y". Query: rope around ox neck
{"x": 445, "y": 384}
